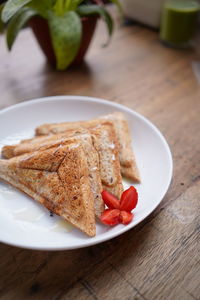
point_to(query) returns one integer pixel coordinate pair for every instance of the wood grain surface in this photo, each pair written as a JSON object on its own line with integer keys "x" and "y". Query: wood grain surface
{"x": 158, "y": 259}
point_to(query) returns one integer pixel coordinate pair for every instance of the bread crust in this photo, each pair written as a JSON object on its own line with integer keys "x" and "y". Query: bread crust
{"x": 105, "y": 142}
{"x": 85, "y": 139}
{"x": 58, "y": 178}
{"x": 127, "y": 158}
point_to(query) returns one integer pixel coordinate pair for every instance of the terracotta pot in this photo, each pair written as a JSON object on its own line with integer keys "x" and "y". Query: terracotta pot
{"x": 41, "y": 30}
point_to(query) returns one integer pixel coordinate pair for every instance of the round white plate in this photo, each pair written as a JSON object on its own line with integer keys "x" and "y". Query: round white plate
{"x": 25, "y": 223}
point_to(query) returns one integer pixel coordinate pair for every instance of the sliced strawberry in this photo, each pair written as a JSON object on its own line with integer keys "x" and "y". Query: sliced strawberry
{"x": 110, "y": 200}
{"x": 129, "y": 199}
{"x": 125, "y": 217}
{"x": 110, "y": 216}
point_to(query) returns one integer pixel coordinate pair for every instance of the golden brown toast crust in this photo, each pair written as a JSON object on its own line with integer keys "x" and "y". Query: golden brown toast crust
{"x": 106, "y": 144}
{"x": 59, "y": 179}
{"x": 39, "y": 144}
{"x": 127, "y": 158}
{"x": 128, "y": 163}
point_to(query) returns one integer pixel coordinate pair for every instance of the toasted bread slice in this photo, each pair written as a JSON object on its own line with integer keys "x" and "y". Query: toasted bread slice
{"x": 38, "y": 143}
{"x": 105, "y": 142}
{"x": 128, "y": 164}
{"x": 83, "y": 137}
{"x": 59, "y": 179}
{"x": 94, "y": 171}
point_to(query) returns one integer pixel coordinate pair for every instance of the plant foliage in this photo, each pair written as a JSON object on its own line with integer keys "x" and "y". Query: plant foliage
{"x": 64, "y": 20}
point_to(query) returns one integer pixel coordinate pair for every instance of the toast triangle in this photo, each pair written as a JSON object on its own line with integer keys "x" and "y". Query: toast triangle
{"x": 127, "y": 158}
{"x": 47, "y": 142}
{"x": 105, "y": 143}
{"x": 58, "y": 178}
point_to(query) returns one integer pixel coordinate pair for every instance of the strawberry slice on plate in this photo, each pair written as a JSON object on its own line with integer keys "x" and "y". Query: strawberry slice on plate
{"x": 110, "y": 216}
{"x": 129, "y": 199}
{"x": 110, "y": 200}
{"x": 125, "y": 217}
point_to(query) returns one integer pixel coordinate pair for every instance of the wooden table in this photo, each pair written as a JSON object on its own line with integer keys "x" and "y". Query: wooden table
{"x": 158, "y": 259}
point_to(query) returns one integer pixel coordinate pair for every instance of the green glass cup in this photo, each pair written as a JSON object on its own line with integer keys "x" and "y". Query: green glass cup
{"x": 179, "y": 22}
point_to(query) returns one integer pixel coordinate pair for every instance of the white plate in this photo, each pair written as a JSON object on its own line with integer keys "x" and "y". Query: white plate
{"x": 25, "y": 223}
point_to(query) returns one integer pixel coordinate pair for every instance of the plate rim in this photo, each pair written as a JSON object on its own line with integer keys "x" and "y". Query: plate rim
{"x": 91, "y": 241}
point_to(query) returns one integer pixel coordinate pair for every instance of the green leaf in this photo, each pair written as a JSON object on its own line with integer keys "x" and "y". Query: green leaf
{"x": 11, "y": 7}
{"x": 59, "y": 7}
{"x": 75, "y": 4}
{"x": 42, "y": 6}
{"x": 63, "y": 6}
{"x": 1, "y": 23}
{"x": 66, "y": 36}
{"x": 88, "y": 10}
{"x": 68, "y": 4}
{"x": 16, "y": 23}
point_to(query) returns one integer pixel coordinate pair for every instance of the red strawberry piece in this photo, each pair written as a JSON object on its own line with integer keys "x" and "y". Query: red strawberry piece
{"x": 129, "y": 199}
{"x": 125, "y": 217}
{"x": 110, "y": 200}
{"x": 110, "y": 216}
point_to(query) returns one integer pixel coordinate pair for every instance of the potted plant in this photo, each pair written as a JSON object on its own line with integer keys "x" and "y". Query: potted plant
{"x": 63, "y": 28}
